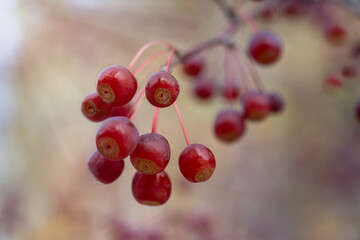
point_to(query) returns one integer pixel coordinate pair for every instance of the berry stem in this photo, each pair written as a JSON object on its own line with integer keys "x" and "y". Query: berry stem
{"x": 137, "y": 108}
{"x": 136, "y": 100}
{"x": 241, "y": 70}
{"x": 181, "y": 123}
{"x": 249, "y": 20}
{"x": 146, "y": 46}
{"x": 255, "y": 75}
{"x": 155, "y": 119}
{"x": 148, "y": 61}
{"x": 171, "y": 54}
{"x": 229, "y": 78}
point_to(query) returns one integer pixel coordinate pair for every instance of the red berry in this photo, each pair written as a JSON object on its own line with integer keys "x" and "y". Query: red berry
{"x": 277, "y": 103}
{"x": 116, "y": 85}
{"x": 162, "y": 89}
{"x": 204, "y": 88}
{"x": 265, "y": 47}
{"x": 152, "y": 190}
{"x": 256, "y": 105}
{"x": 355, "y": 51}
{"x": 333, "y": 82}
{"x": 94, "y": 108}
{"x": 229, "y": 125}
{"x": 197, "y": 163}
{"x": 104, "y": 170}
{"x": 293, "y": 9}
{"x": 120, "y": 110}
{"x": 152, "y": 154}
{"x": 193, "y": 66}
{"x": 336, "y": 35}
{"x": 116, "y": 138}
{"x": 349, "y": 71}
{"x": 357, "y": 110}
{"x": 231, "y": 90}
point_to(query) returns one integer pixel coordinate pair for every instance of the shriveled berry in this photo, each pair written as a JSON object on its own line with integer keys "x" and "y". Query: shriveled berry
{"x": 116, "y": 85}
{"x": 116, "y": 138}
{"x": 152, "y": 190}
{"x": 336, "y": 35}
{"x": 229, "y": 125}
{"x": 277, "y": 103}
{"x": 204, "y": 88}
{"x": 94, "y": 108}
{"x": 256, "y": 105}
{"x": 162, "y": 89}
{"x": 105, "y": 170}
{"x": 231, "y": 90}
{"x": 193, "y": 66}
{"x": 197, "y": 163}
{"x": 265, "y": 47}
{"x": 152, "y": 154}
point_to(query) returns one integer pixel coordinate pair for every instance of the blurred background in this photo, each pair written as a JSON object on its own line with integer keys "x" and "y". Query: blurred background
{"x": 293, "y": 176}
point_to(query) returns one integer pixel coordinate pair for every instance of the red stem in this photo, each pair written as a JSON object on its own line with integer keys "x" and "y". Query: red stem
{"x": 241, "y": 70}
{"x": 181, "y": 123}
{"x": 155, "y": 119}
{"x": 171, "y": 54}
{"x": 148, "y": 61}
{"x": 249, "y": 20}
{"x": 136, "y": 100}
{"x": 137, "y": 108}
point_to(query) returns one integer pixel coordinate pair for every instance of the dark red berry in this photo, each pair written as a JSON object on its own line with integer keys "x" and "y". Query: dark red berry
{"x": 277, "y": 103}
{"x": 204, "y": 88}
{"x": 105, "y": 170}
{"x": 197, "y": 163}
{"x": 357, "y": 110}
{"x": 265, "y": 47}
{"x": 293, "y": 9}
{"x": 116, "y": 138}
{"x": 231, "y": 90}
{"x": 152, "y": 154}
{"x": 229, "y": 125}
{"x": 193, "y": 65}
{"x": 162, "y": 89}
{"x": 256, "y": 105}
{"x": 349, "y": 71}
{"x": 355, "y": 51}
{"x": 94, "y": 108}
{"x": 116, "y": 85}
{"x": 120, "y": 110}
{"x": 336, "y": 35}
{"x": 152, "y": 190}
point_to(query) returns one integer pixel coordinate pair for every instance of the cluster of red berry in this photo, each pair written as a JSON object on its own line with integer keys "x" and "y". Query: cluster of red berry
{"x": 117, "y": 137}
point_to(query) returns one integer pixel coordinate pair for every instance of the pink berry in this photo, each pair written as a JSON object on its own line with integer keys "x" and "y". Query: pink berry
{"x": 116, "y": 85}
{"x": 162, "y": 89}
{"x": 152, "y": 154}
{"x": 197, "y": 163}
{"x": 152, "y": 190}
{"x": 231, "y": 90}
{"x": 277, "y": 103}
{"x": 116, "y": 138}
{"x": 256, "y": 105}
{"x": 336, "y": 35}
{"x": 104, "y": 170}
{"x": 94, "y": 108}
{"x": 204, "y": 88}
{"x": 229, "y": 125}
{"x": 193, "y": 66}
{"x": 265, "y": 47}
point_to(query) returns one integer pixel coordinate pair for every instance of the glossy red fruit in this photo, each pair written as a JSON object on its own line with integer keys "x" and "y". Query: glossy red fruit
{"x": 197, "y": 163}
{"x": 204, "y": 88}
{"x": 152, "y": 190}
{"x": 265, "y": 47}
{"x": 229, "y": 125}
{"x": 193, "y": 66}
{"x": 104, "y": 170}
{"x": 116, "y": 138}
{"x": 119, "y": 111}
{"x": 277, "y": 103}
{"x": 336, "y": 35}
{"x": 116, "y": 85}
{"x": 333, "y": 82}
{"x": 94, "y": 108}
{"x": 349, "y": 71}
{"x": 162, "y": 89}
{"x": 231, "y": 90}
{"x": 152, "y": 154}
{"x": 357, "y": 110}
{"x": 256, "y": 105}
